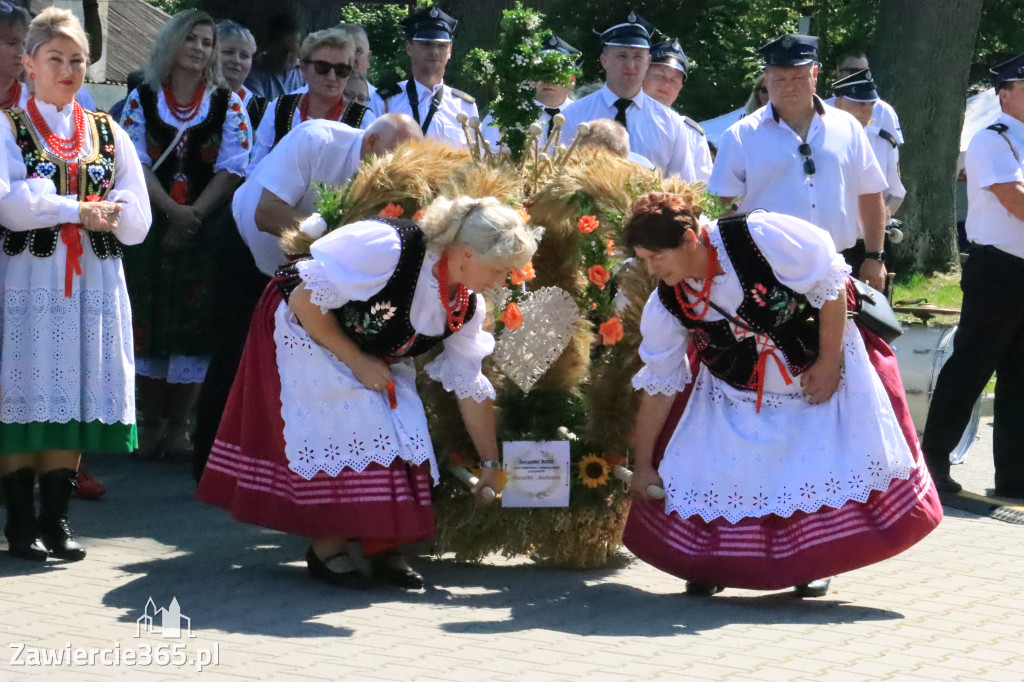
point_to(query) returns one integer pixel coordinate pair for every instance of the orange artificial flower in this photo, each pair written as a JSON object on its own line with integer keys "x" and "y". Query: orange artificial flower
{"x": 392, "y": 211}
{"x": 417, "y": 215}
{"x": 523, "y": 274}
{"x": 511, "y": 317}
{"x": 609, "y": 246}
{"x": 614, "y": 459}
{"x": 588, "y": 224}
{"x": 611, "y": 331}
{"x": 523, "y": 214}
{"x": 598, "y": 276}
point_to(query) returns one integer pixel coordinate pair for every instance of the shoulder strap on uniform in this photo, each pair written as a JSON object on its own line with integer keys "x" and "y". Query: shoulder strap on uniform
{"x": 463, "y": 96}
{"x": 389, "y": 89}
{"x": 888, "y": 137}
{"x": 1001, "y": 128}
{"x": 693, "y": 124}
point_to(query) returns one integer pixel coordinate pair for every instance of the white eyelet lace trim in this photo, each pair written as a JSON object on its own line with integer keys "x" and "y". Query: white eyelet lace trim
{"x": 834, "y": 284}
{"x": 453, "y": 378}
{"x": 321, "y": 291}
{"x": 649, "y": 381}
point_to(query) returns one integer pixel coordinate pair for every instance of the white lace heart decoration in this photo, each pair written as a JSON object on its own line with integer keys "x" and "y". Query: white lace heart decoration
{"x": 526, "y": 353}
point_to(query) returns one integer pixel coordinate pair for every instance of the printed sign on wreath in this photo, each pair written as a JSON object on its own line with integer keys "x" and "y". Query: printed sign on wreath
{"x": 538, "y": 473}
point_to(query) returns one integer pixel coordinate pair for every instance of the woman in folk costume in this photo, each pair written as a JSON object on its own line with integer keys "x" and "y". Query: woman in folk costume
{"x": 76, "y": 194}
{"x": 790, "y": 456}
{"x": 193, "y": 138}
{"x": 13, "y": 26}
{"x": 237, "y": 47}
{"x": 327, "y": 59}
{"x": 324, "y": 435}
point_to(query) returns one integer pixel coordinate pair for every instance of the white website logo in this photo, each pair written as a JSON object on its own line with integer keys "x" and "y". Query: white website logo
{"x": 170, "y": 620}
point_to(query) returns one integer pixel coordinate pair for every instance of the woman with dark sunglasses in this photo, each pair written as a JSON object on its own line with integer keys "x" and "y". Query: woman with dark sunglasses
{"x": 193, "y": 137}
{"x": 327, "y": 57}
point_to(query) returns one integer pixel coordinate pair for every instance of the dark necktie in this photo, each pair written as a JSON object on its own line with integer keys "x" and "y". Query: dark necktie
{"x": 551, "y": 112}
{"x": 621, "y": 105}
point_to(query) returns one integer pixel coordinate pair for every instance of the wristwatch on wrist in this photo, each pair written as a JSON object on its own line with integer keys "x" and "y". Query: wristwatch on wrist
{"x": 490, "y": 464}
{"x": 875, "y": 255}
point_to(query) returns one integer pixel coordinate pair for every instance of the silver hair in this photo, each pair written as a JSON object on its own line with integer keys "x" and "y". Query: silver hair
{"x": 233, "y": 29}
{"x": 171, "y": 36}
{"x": 495, "y": 231}
{"x": 329, "y": 37}
{"x": 354, "y": 30}
{"x": 55, "y": 23}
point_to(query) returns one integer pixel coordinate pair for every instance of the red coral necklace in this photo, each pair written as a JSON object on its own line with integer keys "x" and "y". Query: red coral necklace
{"x": 12, "y": 95}
{"x": 67, "y": 148}
{"x": 455, "y": 313}
{"x": 702, "y": 296}
{"x": 333, "y": 115}
{"x": 183, "y": 112}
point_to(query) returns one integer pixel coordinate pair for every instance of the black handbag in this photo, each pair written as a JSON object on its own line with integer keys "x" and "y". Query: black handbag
{"x": 874, "y": 312}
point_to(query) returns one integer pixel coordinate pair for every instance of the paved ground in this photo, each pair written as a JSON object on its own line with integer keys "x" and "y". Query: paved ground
{"x": 951, "y": 608}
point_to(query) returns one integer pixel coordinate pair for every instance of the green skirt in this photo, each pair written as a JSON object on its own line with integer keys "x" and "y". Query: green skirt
{"x": 94, "y": 436}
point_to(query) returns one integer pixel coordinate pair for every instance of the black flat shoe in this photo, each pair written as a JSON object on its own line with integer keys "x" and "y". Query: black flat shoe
{"x": 701, "y": 590}
{"x": 944, "y": 483}
{"x": 394, "y": 570}
{"x": 815, "y": 588}
{"x": 353, "y": 579}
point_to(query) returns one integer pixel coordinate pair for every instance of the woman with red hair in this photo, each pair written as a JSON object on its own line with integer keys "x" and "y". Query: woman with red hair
{"x": 785, "y": 454}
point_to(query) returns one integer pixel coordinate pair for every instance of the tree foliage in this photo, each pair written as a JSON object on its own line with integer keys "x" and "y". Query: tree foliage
{"x": 387, "y": 40}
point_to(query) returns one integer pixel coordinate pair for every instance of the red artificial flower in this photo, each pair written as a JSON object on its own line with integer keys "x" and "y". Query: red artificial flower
{"x": 523, "y": 214}
{"x": 588, "y": 224}
{"x": 391, "y": 211}
{"x": 92, "y": 197}
{"x": 611, "y": 331}
{"x": 598, "y": 276}
{"x": 417, "y": 215}
{"x": 609, "y": 246}
{"x": 511, "y": 317}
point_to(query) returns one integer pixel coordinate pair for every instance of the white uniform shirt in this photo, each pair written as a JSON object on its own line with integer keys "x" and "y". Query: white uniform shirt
{"x": 888, "y": 156}
{"x": 758, "y": 160}
{"x": 314, "y": 151}
{"x": 655, "y": 131}
{"x": 492, "y": 133}
{"x": 990, "y": 161}
{"x": 267, "y": 130}
{"x": 882, "y": 116}
{"x": 443, "y": 127}
{"x": 700, "y": 154}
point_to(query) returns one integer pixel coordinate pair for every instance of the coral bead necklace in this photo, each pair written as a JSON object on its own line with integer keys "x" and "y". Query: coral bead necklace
{"x": 333, "y": 115}
{"x": 702, "y": 296}
{"x": 67, "y": 148}
{"x": 455, "y": 313}
{"x": 183, "y": 112}
{"x": 12, "y": 95}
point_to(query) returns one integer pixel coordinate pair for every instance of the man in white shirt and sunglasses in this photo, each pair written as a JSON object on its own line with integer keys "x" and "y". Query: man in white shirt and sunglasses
{"x": 801, "y": 157}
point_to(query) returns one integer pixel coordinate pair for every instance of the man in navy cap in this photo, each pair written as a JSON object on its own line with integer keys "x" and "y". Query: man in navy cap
{"x": 552, "y": 97}
{"x": 990, "y": 337}
{"x": 857, "y": 95}
{"x": 665, "y": 77}
{"x": 425, "y": 97}
{"x": 882, "y": 114}
{"x": 799, "y": 156}
{"x": 655, "y": 131}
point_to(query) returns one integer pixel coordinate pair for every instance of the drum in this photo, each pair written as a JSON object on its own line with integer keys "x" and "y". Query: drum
{"x": 921, "y": 352}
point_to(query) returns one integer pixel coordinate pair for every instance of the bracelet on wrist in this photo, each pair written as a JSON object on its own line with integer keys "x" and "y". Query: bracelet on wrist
{"x": 490, "y": 464}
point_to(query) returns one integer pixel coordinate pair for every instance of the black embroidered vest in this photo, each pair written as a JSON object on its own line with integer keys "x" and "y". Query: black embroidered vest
{"x": 256, "y": 108}
{"x": 382, "y": 325}
{"x": 769, "y": 308}
{"x": 95, "y": 179}
{"x": 285, "y": 115}
{"x": 197, "y": 149}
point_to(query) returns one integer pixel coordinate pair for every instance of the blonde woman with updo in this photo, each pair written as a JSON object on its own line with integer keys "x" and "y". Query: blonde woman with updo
{"x": 76, "y": 196}
{"x": 324, "y": 435}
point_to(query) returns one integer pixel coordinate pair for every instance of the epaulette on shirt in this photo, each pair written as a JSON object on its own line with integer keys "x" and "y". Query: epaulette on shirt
{"x": 998, "y": 127}
{"x": 888, "y": 137}
{"x": 693, "y": 124}
{"x": 462, "y": 95}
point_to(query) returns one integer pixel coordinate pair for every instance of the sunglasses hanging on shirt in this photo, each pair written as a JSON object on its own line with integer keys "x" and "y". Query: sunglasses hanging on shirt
{"x": 805, "y": 151}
